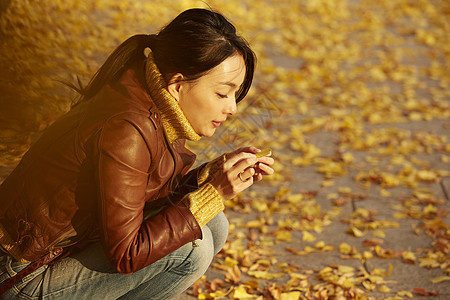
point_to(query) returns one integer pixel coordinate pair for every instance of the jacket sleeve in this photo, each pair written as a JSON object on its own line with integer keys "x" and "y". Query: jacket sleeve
{"x": 121, "y": 173}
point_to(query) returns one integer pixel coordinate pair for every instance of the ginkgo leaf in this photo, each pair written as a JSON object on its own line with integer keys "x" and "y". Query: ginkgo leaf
{"x": 308, "y": 237}
{"x": 408, "y": 257}
{"x": 439, "y": 279}
{"x": 334, "y": 102}
{"x": 290, "y": 296}
{"x": 405, "y": 294}
{"x": 241, "y": 293}
{"x": 264, "y": 274}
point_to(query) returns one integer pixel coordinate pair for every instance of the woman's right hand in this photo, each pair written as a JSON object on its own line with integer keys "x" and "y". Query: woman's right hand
{"x": 236, "y": 174}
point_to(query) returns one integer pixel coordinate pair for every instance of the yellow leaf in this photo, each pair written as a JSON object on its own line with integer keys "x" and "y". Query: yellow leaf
{"x": 264, "y": 274}
{"x": 389, "y": 271}
{"x": 327, "y": 248}
{"x": 344, "y": 190}
{"x": 345, "y": 248}
{"x": 400, "y": 215}
{"x": 295, "y": 198}
{"x": 362, "y": 212}
{"x": 428, "y": 262}
{"x": 379, "y": 233}
{"x": 355, "y": 231}
{"x": 375, "y": 279}
{"x": 345, "y": 269}
{"x": 260, "y": 206}
{"x": 332, "y": 196}
{"x": 284, "y": 235}
{"x": 290, "y": 296}
{"x": 430, "y": 209}
{"x": 369, "y": 285}
{"x": 295, "y": 251}
{"x": 215, "y": 295}
{"x": 327, "y": 183}
{"x": 408, "y": 257}
{"x": 229, "y": 262}
{"x": 348, "y": 157}
{"x": 241, "y": 293}
{"x": 254, "y": 224}
{"x": 367, "y": 255}
{"x": 439, "y": 279}
{"x": 308, "y": 237}
{"x": 319, "y": 245}
{"x": 309, "y": 249}
{"x": 426, "y": 175}
{"x": 385, "y": 193}
{"x": 405, "y": 294}
{"x": 423, "y": 193}
{"x": 384, "y": 289}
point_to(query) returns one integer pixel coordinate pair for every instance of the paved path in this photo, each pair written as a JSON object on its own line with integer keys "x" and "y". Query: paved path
{"x": 352, "y": 96}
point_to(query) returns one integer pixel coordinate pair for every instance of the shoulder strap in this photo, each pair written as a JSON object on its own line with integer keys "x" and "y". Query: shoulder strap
{"x": 44, "y": 260}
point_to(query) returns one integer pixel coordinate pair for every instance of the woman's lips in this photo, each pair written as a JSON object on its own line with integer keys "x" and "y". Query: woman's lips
{"x": 216, "y": 124}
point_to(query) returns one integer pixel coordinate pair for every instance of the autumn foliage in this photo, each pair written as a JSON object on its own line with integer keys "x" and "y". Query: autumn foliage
{"x": 352, "y": 96}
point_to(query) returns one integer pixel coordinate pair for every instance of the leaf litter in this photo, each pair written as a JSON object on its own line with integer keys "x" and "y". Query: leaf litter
{"x": 357, "y": 70}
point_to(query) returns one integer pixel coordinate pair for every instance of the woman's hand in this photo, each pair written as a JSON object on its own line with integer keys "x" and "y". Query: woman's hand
{"x": 262, "y": 167}
{"x": 240, "y": 170}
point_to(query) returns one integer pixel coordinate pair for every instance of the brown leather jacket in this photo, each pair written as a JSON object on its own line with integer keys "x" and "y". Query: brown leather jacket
{"x": 93, "y": 174}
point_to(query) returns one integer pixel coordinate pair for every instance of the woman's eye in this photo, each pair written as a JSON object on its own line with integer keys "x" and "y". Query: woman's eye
{"x": 221, "y": 95}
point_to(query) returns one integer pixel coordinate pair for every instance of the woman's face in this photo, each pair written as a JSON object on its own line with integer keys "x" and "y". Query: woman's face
{"x": 210, "y": 100}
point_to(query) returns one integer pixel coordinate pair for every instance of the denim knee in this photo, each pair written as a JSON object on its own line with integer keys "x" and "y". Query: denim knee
{"x": 219, "y": 227}
{"x": 202, "y": 253}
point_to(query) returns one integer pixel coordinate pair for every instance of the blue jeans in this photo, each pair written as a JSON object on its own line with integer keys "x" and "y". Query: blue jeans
{"x": 89, "y": 275}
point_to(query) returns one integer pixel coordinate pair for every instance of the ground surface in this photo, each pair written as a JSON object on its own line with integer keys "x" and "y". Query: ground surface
{"x": 352, "y": 96}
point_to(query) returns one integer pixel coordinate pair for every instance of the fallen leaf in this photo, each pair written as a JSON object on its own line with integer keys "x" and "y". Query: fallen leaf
{"x": 264, "y": 274}
{"x": 308, "y": 237}
{"x": 290, "y": 296}
{"x": 424, "y": 292}
{"x": 439, "y": 279}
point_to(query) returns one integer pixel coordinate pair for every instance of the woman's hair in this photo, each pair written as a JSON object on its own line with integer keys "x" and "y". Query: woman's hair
{"x": 196, "y": 41}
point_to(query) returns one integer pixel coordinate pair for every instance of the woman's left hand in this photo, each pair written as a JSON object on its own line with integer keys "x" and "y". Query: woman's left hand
{"x": 239, "y": 171}
{"x": 262, "y": 167}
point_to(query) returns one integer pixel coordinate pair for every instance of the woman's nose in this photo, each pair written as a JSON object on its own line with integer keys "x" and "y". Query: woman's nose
{"x": 231, "y": 107}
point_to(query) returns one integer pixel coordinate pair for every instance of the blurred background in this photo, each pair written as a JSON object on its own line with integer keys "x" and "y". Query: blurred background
{"x": 370, "y": 61}
{"x": 352, "y": 95}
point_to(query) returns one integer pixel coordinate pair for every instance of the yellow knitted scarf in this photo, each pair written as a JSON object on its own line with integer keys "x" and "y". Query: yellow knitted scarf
{"x": 174, "y": 121}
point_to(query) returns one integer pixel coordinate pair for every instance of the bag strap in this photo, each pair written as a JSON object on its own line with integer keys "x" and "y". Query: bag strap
{"x": 44, "y": 260}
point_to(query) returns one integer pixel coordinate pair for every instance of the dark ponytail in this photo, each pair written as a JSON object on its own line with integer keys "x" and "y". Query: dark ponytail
{"x": 196, "y": 41}
{"x": 121, "y": 58}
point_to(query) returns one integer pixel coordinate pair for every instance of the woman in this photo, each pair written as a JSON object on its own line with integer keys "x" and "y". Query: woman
{"x": 102, "y": 205}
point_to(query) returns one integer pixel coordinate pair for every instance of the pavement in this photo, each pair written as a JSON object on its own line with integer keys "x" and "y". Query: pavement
{"x": 357, "y": 116}
{"x": 397, "y": 236}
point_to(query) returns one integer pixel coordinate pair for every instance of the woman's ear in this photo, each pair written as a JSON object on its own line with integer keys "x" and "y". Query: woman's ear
{"x": 175, "y": 84}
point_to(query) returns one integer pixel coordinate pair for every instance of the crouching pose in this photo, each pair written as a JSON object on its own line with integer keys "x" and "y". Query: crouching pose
{"x": 104, "y": 205}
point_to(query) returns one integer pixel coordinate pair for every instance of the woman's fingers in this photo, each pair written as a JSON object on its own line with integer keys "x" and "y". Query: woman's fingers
{"x": 240, "y": 170}
{"x": 266, "y": 160}
{"x": 244, "y": 165}
{"x": 246, "y": 174}
{"x": 242, "y": 158}
{"x": 250, "y": 149}
{"x": 264, "y": 169}
{"x": 257, "y": 177}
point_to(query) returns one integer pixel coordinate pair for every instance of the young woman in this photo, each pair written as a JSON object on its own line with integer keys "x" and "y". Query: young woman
{"x": 102, "y": 206}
